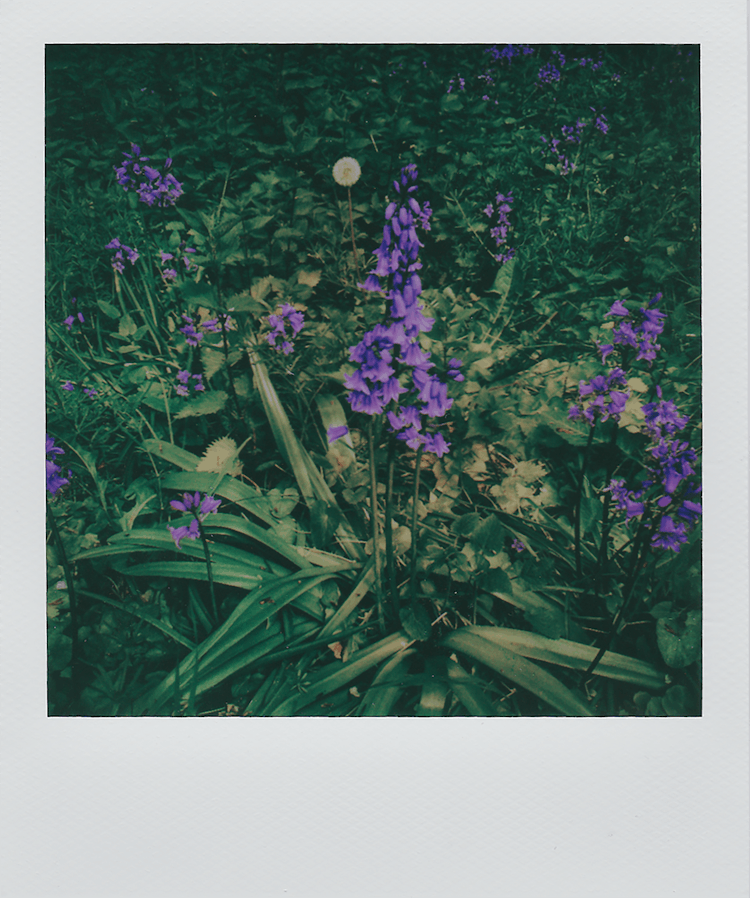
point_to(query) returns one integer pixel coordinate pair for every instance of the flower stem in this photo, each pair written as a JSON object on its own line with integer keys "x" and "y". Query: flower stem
{"x": 415, "y": 500}
{"x": 584, "y": 465}
{"x": 374, "y": 516}
{"x": 225, "y": 346}
{"x": 389, "y": 558}
{"x": 208, "y": 569}
{"x": 72, "y": 597}
{"x": 640, "y": 548}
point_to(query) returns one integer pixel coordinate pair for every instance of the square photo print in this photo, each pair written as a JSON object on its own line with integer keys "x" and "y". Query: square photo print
{"x": 373, "y": 380}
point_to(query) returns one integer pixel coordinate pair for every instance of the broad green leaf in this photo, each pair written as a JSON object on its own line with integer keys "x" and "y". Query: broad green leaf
{"x": 676, "y": 701}
{"x": 253, "y": 611}
{"x": 171, "y": 453}
{"x": 573, "y": 655}
{"x": 434, "y": 692}
{"x": 467, "y": 691}
{"x": 206, "y": 404}
{"x": 518, "y": 670}
{"x": 386, "y": 688}
{"x": 335, "y": 676}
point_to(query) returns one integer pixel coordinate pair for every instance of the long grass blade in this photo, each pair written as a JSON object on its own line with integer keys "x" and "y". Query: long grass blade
{"x": 520, "y": 671}
{"x": 468, "y": 693}
{"x": 574, "y": 655}
{"x": 386, "y": 688}
{"x": 335, "y": 676}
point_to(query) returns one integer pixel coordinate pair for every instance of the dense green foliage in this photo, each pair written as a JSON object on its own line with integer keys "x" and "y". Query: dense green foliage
{"x": 285, "y": 604}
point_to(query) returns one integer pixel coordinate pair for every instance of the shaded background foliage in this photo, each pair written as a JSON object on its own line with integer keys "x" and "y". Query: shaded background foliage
{"x": 253, "y": 132}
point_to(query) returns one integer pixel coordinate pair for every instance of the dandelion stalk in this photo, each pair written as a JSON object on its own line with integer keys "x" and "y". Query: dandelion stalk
{"x": 346, "y": 173}
{"x": 354, "y": 245}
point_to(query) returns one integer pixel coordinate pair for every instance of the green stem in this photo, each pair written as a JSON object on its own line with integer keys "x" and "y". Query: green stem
{"x": 415, "y": 501}
{"x": 354, "y": 245}
{"x": 225, "y": 345}
{"x": 73, "y": 599}
{"x": 374, "y": 515}
{"x": 577, "y": 522}
{"x": 640, "y": 549}
{"x": 208, "y": 569}
{"x": 389, "y": 558}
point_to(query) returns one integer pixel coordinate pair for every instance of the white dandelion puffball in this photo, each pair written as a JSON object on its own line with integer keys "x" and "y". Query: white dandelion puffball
{"x": 346, "y": 172}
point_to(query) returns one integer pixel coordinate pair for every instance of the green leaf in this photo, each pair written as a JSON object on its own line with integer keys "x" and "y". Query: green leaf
{"x": 434, "y": 692}
{"x": 503, "y": 279}
{"x": 573, "y": 655}
{"x": 171, "y": 453}
{"x": 108, "y": 309}
{"x": 679, "y": 641}
{"x": 518, "y": 670}
{"x": 335, "y": 676}
{"x": 387, "y": 686}
{"x": 468, "y": 691}
{"x": 416, "y": 622}
{"x": 676, "y": 701}
{"x": 207, "y": 404}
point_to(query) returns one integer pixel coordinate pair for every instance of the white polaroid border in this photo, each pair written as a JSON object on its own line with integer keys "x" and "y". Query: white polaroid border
{"x": 308, "y": 807}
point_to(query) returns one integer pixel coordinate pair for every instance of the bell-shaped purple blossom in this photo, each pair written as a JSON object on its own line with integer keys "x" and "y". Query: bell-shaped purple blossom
{"x": 286, "y": 314}
{"x": 55, "y": 480}
{"x": 152, "y": 187}
{"x": 391, "y": 360}
{"x": 199, "y": 507}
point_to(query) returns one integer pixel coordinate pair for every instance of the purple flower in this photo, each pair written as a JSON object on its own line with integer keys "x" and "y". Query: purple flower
{"x": 387, "y": 353}
{"x": 453, "y": 366}
{"x": 617, "y": 308}
{"x": 68, "y": 386}
{"x": 90, "y": 392}
{"x": 601, "y": 400}
{"x": 120, "y": 249}
{"x": 154, "y": 188}
{"x": 287, "y": 314}
{"x": 188, "y": 531}
{"x": 54, "y": 479}
{"x": 199, "y": 508}
{"x": 335, "y": 433}
{"x": 517, "y": 545}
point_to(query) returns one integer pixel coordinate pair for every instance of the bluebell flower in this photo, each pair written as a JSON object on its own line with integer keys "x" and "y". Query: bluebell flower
{"x": 391, "y": 360}
{"x": 55, "y": 481}
{"x": 200, "y": 508}
{"x": 118, "y": 258}
{"x": 154, "y": 187}
{"x": 335, "y": 433}
{"x": 287, "y": 314}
